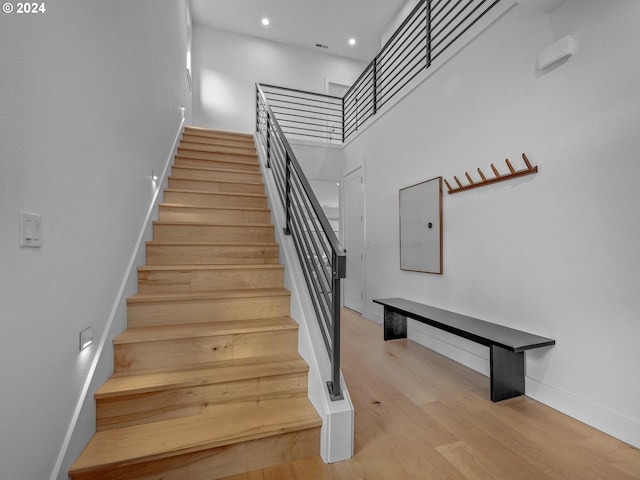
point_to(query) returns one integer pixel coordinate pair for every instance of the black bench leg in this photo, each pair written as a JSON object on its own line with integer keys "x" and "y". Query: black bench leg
{"x": 395, "y": 325}
{"x": 507, "y": 373}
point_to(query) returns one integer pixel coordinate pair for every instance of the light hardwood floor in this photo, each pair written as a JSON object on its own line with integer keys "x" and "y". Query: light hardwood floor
{"x": 420, "y": 415}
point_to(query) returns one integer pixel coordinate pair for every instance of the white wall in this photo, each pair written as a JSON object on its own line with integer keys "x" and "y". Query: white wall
{"x": 322, "y": 163}
{"x": 554, "y": 253}
{"x": 319, "y": 161}
{"x": 397, "y": 20}
{"x": 90, "y": 97}
{"x": 227, "y": 66}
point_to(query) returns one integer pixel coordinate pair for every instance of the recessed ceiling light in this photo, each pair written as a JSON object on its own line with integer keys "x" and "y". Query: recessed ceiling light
{"x": 352, "y": 41}
{"x": 265, "y": 21}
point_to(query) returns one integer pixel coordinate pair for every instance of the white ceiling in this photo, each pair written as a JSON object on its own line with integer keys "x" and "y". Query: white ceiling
{"x": 304, "y": 23}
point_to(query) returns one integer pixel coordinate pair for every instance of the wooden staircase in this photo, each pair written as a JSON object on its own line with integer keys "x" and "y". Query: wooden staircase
{"x": 207, "y": 378}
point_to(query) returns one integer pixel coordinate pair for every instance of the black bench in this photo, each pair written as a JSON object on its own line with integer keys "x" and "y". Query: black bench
{"x": 507, "y": 345}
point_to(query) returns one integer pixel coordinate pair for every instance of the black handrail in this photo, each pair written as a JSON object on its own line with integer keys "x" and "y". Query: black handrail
{"x": 322, "y": 257}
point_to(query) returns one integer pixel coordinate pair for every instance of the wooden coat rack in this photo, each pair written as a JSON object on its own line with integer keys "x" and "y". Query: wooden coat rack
{"x": 498, "y": 178}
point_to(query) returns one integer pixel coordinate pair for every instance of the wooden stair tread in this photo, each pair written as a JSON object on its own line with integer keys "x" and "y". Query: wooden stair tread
{"x": 212, "y": 224}
{"x": 172, "y": 268}
{"x": 221, "y": 141}
{"x": 219, "y": 180}
{"x": 248, "y": 150}
{"x": 225, "y": 426}
{"x": 243, "y": 159}
{"x": 213, "y": 244}
{"x": 197, "y": 330}
{"x": 195, "y": 130}
{"x": 194, "y": 145}
{"x": 189, "y": 136}
{"x": 216, "y": 169}
{"x": 244, "y": 182}
{"x": 205, "y": 192}
{"x": 210, "y": 295}
{"x": 119, "y": 384}
{"x": 204, "y": 207}
{"x": 213, "y": 135}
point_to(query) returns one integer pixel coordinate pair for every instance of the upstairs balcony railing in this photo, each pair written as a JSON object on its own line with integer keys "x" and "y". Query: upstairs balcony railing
{"x": 431, "y": 28}
{"x": 427, "y": 32}
{"x": 305, "y": 115}
{"x": 322, "y": 257}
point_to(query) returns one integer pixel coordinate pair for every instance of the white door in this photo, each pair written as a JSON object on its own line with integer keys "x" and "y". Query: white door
{"x": 353, "y": 190}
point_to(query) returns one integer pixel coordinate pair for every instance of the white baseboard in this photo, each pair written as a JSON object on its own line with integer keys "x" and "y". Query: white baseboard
{"x": 595, "y": 415}
{"x": 469, "y": 354}
{"x": 374, "y": 316}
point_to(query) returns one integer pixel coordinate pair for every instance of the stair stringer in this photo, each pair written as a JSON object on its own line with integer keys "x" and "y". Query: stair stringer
{"x": 337, "y": 432}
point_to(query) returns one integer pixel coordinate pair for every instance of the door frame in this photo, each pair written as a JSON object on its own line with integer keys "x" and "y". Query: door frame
{"x": 343, "y": 231}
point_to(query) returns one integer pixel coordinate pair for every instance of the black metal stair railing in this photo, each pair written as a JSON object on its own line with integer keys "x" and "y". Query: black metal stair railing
{"x": 427, "y": 32}
{"x": 322, "y": 257}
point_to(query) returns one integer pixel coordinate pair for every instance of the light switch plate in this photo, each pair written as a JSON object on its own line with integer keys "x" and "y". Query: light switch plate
{"x": 30, "y": 230}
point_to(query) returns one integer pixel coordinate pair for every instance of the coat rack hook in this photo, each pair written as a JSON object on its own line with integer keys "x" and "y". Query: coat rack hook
{"x": 448, "y": 186}
{"x": 498, "y": 177}
{"x": 469, "y": 178}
